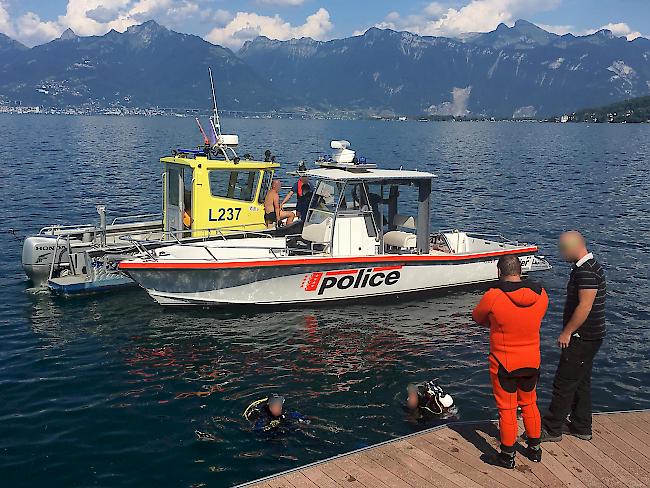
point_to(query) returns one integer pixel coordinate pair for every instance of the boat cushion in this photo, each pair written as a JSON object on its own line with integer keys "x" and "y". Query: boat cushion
{"x": 318, "y": 233}
{"x": 398, "y": 238}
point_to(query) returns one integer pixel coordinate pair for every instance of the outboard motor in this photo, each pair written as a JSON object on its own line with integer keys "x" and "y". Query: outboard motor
{"x": 38, "y": 253}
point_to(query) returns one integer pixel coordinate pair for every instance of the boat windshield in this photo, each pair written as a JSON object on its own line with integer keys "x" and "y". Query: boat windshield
{"x": 324, "y": 201}
{"x": 235, "y": 185}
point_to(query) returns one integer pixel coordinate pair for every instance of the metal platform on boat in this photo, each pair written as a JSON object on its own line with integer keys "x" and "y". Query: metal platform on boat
{"x": 78, "y": 285}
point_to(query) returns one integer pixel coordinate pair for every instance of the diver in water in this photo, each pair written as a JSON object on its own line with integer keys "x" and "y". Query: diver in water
{"x": 428, "y": 400}
{"x": 267, "y": 414}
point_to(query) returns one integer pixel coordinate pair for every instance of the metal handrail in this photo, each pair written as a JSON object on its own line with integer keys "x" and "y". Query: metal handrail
{"x": 72, "y": 229}
{"x": 140, "y": 216}
{"x": 139, "y": 246}
{"x": 212, "y": 233}
{"x": 56, "y": 248}
{"x": 470, "y": 233}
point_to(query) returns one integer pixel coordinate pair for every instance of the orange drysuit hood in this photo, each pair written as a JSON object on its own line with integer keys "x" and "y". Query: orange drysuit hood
{"x": 521, "y": 293}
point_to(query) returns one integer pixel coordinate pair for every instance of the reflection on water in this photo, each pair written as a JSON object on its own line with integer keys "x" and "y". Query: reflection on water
{"x": 124, "y": 391}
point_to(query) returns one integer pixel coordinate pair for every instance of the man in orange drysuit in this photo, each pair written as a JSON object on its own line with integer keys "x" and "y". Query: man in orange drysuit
{"x": 514, "y": 311}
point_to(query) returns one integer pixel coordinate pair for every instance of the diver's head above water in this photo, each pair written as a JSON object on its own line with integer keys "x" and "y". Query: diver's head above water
{"x": 429, "y": 397}
{"x": 275, "y": 403}
{"x": 413, "y": 396}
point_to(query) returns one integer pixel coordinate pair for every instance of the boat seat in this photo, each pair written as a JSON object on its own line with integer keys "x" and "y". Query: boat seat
{"x": 398, "y": 238}
{"x": 318, "y": 233}
{"x": 405, "y": 221}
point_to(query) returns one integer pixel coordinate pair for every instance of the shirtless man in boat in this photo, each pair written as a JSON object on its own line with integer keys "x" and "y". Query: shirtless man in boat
{"x": 273, "y": 212}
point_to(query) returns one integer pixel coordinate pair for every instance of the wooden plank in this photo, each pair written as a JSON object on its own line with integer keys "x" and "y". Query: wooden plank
{"x": 468, "y": 452}
{"x": 342, "y": 477}
{"x": 299, "y": 480}
{"x": 398, "y": 468}
{"x": 541, "y": 472}
{"x": 349, "y": 465}
{"x": 621, "y": 454}
{"x": 279, "y": 483}
{"x": 381, "y": 472}
{"x": 617, "y": 457}
{"x": 639, "y": 451}
{"x": 634, "y": 436}
{"x": 436, "y": 465}
{"x": 463, "y": 468}
{"x": 640, "y": 422}
{"x": 599, "y": 457}
{"x": 596, "y": 469}
{"x": 559, "y": 461}
{"x": 424, "y": 472}
{"x": 319, "y": 478}
{"x": 514, "y": 478}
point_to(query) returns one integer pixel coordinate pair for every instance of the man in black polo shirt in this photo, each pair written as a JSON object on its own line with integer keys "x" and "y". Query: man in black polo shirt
{"x": 581, "y": 337}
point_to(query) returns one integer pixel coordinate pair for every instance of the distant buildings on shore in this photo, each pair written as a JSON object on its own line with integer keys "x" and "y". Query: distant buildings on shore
{"x": 120, "y": 111}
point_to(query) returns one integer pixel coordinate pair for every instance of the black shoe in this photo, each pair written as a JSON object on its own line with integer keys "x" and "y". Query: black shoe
{"x": 548, "y": 437}
{"x": 534, "y": 453}
{"x": 501, "y": 460}
{"x": 568, "y": 428}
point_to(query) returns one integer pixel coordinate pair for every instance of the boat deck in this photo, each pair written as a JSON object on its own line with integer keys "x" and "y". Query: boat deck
{"x": 448, "y": 456}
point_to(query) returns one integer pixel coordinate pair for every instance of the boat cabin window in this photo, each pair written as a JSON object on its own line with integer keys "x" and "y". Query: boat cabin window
{"x": 187, "y": 188}
{"x": 354, "y": 197}
{"x": 267, "y": 178}
{"x": 173, "y": 185}
{"x": 236, "y": 185}
{"x": 324, "y": 201}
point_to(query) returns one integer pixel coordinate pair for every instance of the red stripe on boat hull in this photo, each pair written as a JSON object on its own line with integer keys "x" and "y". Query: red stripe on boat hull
{"x": 406, "y": 259}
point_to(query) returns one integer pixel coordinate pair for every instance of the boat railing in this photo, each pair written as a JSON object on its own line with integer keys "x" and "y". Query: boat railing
{"x": 60, "y": 264}
{"x": 66, "y": 229}
{"x": 185, "y": 236}
{"x": 483, "y": 235}
{"x": 181, "y": 237}
{"x": 135, "y": 217}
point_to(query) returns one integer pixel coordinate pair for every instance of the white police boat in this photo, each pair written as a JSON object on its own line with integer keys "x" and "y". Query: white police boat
{"x": 367, "y": 234}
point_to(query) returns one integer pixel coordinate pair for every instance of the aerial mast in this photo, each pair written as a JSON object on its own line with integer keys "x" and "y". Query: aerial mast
{"x": 214, "y": 120}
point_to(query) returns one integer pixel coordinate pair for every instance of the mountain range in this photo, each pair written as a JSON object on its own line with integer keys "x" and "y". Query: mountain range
{"x": 521, "y": 70}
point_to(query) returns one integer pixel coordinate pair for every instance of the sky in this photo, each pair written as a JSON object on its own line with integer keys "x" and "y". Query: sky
{"x": 231, "y": 22}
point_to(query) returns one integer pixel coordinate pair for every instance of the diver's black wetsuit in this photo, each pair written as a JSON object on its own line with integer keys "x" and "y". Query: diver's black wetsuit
{"x": 266, "y": 421}
{"x": 430, "y": 405}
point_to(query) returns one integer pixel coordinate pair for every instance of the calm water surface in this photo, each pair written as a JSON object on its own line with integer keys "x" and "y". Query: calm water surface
{"x": 109, "y": 391}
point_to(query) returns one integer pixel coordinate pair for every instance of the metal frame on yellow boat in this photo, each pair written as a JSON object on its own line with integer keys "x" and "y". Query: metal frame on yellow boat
{"x": 207, "y": 193}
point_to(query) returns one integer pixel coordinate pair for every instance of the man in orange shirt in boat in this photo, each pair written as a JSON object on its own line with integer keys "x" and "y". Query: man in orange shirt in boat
{"x": 514, "y": 310}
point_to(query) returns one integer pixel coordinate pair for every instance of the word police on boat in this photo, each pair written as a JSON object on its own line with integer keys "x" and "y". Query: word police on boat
{"x": 351, "y": 278}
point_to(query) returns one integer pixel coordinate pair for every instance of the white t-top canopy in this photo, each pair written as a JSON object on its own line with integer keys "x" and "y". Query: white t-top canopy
{"x": 367, "y": 174}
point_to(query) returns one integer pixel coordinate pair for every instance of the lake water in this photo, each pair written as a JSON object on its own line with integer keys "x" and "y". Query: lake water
{"x": 109, "y": 391}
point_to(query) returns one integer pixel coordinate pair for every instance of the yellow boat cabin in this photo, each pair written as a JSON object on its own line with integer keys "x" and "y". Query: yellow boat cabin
{"x": 204, "y": 196}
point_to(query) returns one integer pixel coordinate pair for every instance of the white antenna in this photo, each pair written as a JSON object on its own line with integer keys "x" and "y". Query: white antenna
{"x": 216, "y": 125}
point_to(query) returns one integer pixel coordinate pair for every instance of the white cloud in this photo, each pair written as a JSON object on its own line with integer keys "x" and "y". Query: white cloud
{"x": 619, "y": 29}
{"x": 96, "y": 17}
{"x": 476, "y": 16}
{"x": 282, "y": 3}
{"x": 484, "y": 16}
{"x": 434, "y": 9}
{"x": 247, "y": 25}
{"x": 557, "y": 29}
{"x": 6, "y": 26}
{"x": 622, "y": 29}
{"x": 32, "y": 29}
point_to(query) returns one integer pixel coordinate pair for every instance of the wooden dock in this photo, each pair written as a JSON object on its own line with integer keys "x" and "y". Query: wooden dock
{"x": 448, "y": 456}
